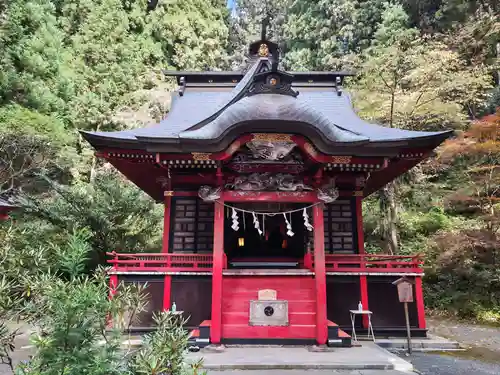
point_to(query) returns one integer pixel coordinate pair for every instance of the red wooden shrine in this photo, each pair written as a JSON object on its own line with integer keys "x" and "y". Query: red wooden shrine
{"x": 236, "y": 151}
{"x": 5, "y": 209}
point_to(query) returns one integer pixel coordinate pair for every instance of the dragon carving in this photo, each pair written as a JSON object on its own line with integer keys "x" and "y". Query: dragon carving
{"x": 209, "y": 194}
{"x": 269, "y": 182}
{"x": 329, "y": 192}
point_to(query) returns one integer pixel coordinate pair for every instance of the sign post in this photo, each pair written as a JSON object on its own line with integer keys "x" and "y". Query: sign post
{"x": 405, "y": 294}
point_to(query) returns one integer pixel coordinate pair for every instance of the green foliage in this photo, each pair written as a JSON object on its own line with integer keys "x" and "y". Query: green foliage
{"x": 29, "y": 143}
{"x": 35, "y": 64}
{"x": 468, "y": 260}
{"x": 81, "y": 64}
{"x": 314, "y": 34}
{"x": 118, "y": 216}
{"x": 245, "y": 26}
{"x": 423, "y": 224}
{"x": 394, "y": 26}
{"x": 163, "y": 350}
{"x": 193, "y": 34}
{"x": 72, "y": 313}
{"x": 420, "y": 85}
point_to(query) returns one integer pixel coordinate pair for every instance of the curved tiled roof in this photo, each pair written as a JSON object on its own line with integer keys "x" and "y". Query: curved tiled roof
{"x": 273, "y": 107}
{"x": 208, "y": 113}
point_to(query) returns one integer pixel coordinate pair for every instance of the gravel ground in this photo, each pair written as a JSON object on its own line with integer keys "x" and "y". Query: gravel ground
{"x": 482, "y": 357}
{"x": 469, "y": 335}
{"x": 451, "y": 364}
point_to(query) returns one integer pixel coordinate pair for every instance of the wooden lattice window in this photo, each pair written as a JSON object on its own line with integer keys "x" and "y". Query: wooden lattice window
{"x": 340, "y": 224}
{"x": 192, "y": 226}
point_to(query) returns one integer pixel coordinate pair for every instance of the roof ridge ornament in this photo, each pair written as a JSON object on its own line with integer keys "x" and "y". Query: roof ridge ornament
{"x": 338, "y": 86}
{"x": 263, "y": 50}
{"x": 272, "y": 82}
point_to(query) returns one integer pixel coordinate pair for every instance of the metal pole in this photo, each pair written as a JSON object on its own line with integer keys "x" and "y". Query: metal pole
{"x": 407, "y": 317}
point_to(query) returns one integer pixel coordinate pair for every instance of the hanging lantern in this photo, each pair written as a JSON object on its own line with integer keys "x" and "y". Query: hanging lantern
{"x": 241, "y": 241}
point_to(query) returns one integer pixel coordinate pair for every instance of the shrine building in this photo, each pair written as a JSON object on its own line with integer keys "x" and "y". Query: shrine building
{"x": 5, "y": 209}
{"x": 262, "y": 174}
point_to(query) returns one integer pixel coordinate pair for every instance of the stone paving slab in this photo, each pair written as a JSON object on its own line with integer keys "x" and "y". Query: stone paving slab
{"x": 420, "y": 344}
{"x": 369, "y": 356}
{"x": 307, "y": 372}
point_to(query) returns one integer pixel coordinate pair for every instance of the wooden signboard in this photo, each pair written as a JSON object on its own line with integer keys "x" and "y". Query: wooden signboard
{"x": 267, "y": 295}
{"x": 405, "y": 292}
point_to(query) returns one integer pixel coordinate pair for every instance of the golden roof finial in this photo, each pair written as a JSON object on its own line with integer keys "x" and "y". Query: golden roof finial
{"x": 263, "y": 50}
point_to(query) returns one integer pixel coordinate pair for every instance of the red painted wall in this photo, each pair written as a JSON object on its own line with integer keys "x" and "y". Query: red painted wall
{"x": 299, "y": 291}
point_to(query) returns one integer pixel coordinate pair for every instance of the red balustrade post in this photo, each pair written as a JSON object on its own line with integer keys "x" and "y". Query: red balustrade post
{"x": 320, "y": 275}
{"x": 308, "y": 264}
{"x": 218, "y": 265}
{"x": 113, "y": 285}
{"x": 419, "y": 299}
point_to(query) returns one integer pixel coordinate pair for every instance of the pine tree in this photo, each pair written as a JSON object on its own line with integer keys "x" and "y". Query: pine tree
{"x": 247, "y": 21}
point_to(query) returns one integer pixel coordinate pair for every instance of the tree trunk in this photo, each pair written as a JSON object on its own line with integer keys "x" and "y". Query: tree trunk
{"x": 388, "y": 210}
{"x": 498, "y": 57}
{"x": 93, "y": 166}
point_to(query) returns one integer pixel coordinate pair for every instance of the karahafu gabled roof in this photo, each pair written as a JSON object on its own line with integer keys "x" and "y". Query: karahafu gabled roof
{"x": 211, "y": 109}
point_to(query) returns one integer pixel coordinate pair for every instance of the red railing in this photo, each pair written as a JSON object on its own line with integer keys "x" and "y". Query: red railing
{"x": 373, "y": 263}
{"x": 161, "y": 262}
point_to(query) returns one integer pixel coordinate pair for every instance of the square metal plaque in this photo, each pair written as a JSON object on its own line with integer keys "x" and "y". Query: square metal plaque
{"x": 268, "y": 313}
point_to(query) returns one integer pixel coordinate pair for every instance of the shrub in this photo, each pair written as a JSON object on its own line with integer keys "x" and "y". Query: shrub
{"x": 467, "y": 260}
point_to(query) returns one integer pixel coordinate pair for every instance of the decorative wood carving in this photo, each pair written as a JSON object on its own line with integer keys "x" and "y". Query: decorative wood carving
{"x": 245, "y": 193}
{"x": 328, "y": 193}
{"x": 265, "y": 167}
{"x": 270, "y": 150}
{"x": 200, "y": 156}
{"x": 268, "y": 182}
{"x": 209, "y": 194}
{"x": 360, "y": 181}
{"x": 233, "y": 148}
{"x": 341, "y": 159}
{"x": 289, "y": 194}
{"x": 309, "y": 148}
{"x": 272, "y": 137}
{"x": 273, "y": 85}
{"x": 163, "y": 181}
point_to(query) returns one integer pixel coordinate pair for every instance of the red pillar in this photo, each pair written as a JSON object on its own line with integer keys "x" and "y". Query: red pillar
{"x": 166, "y": 224}
{"x": 363, "y": 283}
{"x": 218, "y": 265}
{"x": 167, "y": 282}
{"x": 320, "y": 276}
{"x": 167, "y": 285}
{"x": 359, "y": 225}
{"x": 419, "y": 299}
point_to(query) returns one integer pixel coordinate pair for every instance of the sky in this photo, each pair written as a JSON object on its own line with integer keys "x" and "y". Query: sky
{"x": 230, "y": 3}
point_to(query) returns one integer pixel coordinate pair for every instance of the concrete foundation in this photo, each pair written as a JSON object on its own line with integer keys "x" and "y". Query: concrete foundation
{"x": 369, "y": 356}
